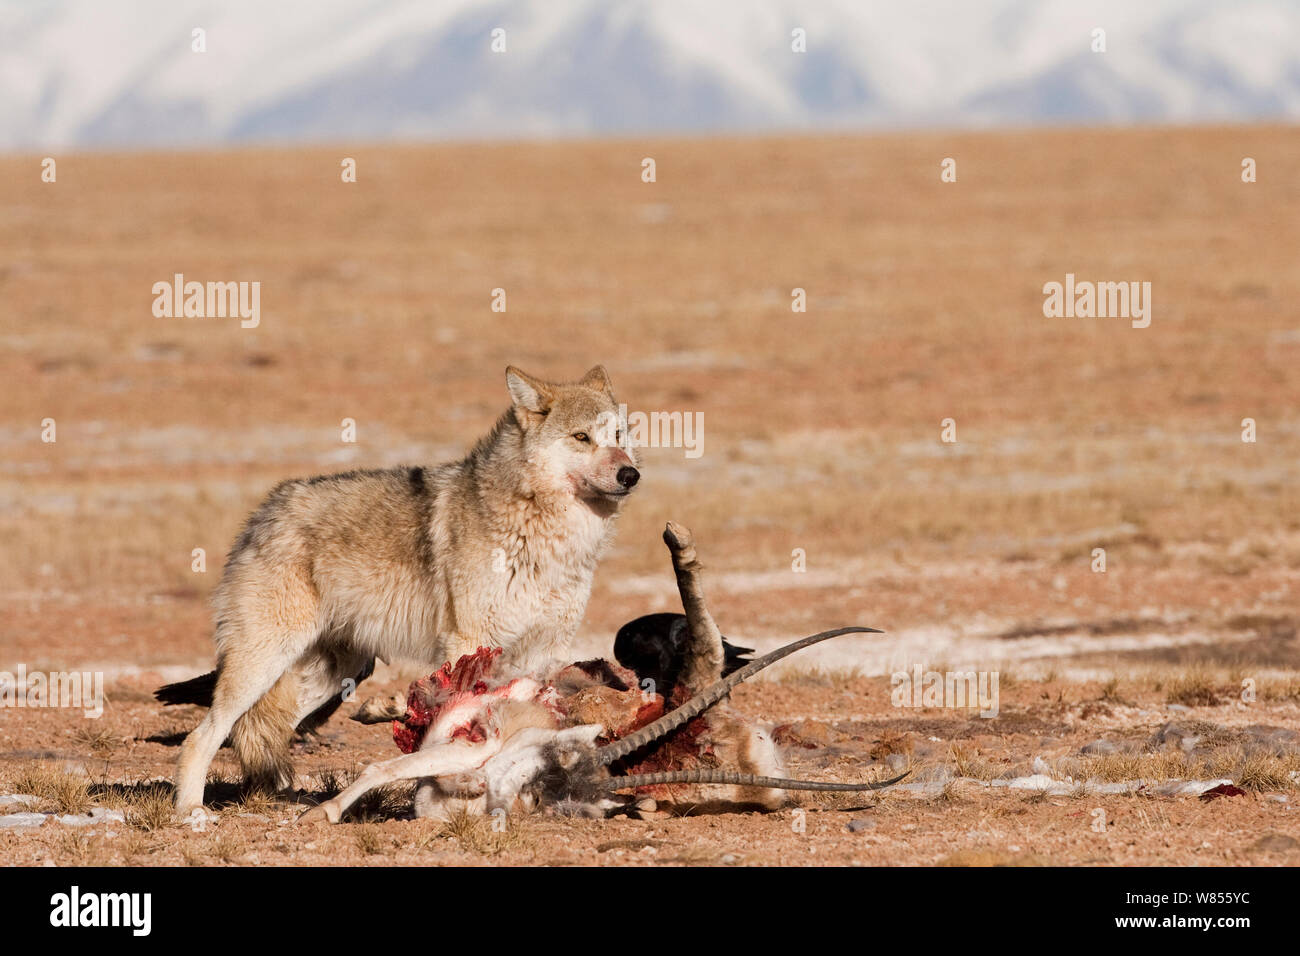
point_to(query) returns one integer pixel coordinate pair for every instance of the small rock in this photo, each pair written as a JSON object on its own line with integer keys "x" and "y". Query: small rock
{"x": 816, "y": 732}
{"x": 859, "y": 824}
{"x": 1037, "y": 781}
{"x": 17, "y": 821}
{"x": 1278, "y": 741}
{"x": 1276, "y": 843}
{"x": 96, "y": 815}
{"x": 808, "y": 734}
{"x": 1099, "y": 748}
{"x": 1178, "y": 708}
{"x": 1173, "y": 734}
{"x": 896, "y": 762}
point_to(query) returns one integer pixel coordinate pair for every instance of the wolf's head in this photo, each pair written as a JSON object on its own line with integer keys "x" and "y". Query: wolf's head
{"x": 572, "y": 437}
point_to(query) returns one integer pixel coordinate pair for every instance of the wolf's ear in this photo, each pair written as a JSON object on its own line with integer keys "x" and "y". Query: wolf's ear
{"x": 598, "y": 379}
{"x": 529, "y": 394}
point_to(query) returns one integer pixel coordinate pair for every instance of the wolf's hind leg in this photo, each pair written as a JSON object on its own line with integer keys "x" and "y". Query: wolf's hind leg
{"x": 302, "y": 699}
{"x": 247, "y": 672}
{"x": 261, "y": 738}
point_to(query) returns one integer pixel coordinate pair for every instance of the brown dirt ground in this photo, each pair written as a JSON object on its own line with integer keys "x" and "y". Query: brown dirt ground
{"x": 822, "y": 434}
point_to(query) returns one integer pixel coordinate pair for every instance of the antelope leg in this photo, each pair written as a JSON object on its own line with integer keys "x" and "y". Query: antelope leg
{"x": 704, "y": 656}
{"x": 432, "y": 761}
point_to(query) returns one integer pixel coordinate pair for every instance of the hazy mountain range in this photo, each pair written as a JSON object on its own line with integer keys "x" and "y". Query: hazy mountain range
{"x": 107, "y": 73}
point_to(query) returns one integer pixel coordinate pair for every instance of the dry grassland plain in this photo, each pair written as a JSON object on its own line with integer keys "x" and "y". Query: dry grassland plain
{"x": 822, "y": 432}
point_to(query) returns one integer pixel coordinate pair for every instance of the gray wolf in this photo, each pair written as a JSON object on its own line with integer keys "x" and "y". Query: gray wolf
{"x": 495, "y": 550}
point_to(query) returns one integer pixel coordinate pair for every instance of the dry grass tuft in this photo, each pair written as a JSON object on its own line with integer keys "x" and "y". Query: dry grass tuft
{"x": 135, "y": 843}
{"x": 255, "y": 801}
{"x": 1252, "y": 770}
{"x": 78, "y": 849}
{"x": 225, "y": 848}
{"x": 334, "y": 781}
{"x": 58, "y": 790}
{"x": 97, "y": 740}
{"x": 837, "y": 679}
{"x": 1194, "y": 688}
{"x": 1278, "y": 688}
{"x": 953, "y": 791}
{"x": 968, "y": 763}
{"x": 892, "y": 742}
{"x": 1266, "y": 772}
{"x": 478, "y": 834}
{"x": 150, "y": 809}
{"x": 370, "y": 840}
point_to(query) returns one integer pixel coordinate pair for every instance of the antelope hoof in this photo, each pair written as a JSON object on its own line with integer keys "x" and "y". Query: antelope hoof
{"x": 377, "y": 710}
{"x": 327, "y": 812}
{"x": 678, "y": 536}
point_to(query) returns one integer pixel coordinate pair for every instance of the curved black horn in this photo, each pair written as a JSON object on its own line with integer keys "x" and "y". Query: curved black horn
{"x": 739, "y": 779}
{"x": 706, "y": 698}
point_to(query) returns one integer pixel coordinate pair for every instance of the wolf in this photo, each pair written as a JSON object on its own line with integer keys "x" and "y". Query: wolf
{"x": 495, "y": 550}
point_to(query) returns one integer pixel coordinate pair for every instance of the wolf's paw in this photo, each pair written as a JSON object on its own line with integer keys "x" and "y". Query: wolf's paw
{"x": 196, "y": 818}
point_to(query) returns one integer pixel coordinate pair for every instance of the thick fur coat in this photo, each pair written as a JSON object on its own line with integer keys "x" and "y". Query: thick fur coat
{"x": 495, "y": 550}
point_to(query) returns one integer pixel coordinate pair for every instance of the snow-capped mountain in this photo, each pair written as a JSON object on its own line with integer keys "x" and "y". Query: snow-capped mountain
{"x": 98, "y": 73}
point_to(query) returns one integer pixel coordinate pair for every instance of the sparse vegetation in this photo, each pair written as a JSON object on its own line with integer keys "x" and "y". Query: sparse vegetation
{"x": 257, "y": 802}
{"x": 483, "y": 835}
{"x": 1202, "y": 533}
{"x": 1193, "y": 689}
{"x": 150, "y": 808}
{"x": 370, "y": 839}
{"x": 968, "y": 763}
{"x": 59, "y": 791}
{"x": 97, "y": 740}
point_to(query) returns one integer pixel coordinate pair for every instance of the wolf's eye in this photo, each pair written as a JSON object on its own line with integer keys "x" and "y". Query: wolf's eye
{"x": 581, "y": 436}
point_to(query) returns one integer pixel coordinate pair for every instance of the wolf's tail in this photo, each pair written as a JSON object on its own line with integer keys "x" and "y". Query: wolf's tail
{"x": 196, "y": 690}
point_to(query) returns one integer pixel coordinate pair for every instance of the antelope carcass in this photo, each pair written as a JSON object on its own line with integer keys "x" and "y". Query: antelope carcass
{"x": 592, "y": 737}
